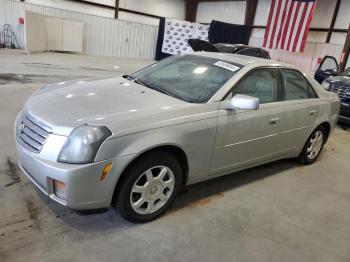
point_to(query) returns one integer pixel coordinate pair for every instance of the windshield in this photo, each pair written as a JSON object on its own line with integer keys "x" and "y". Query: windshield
{"x": 346, "y": 72}
{"x": 194, "y": 79}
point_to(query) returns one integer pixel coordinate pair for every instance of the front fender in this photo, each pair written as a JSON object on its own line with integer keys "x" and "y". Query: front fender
{"x": 196, "y": 139}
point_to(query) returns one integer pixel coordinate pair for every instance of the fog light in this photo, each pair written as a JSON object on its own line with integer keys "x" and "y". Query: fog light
{"x": 105, "y": 171}
{"x": 59, "y": 189}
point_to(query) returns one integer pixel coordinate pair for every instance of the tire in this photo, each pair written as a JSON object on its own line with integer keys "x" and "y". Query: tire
{"x": 312, "y": 150}
{"x": 142, "y": 198}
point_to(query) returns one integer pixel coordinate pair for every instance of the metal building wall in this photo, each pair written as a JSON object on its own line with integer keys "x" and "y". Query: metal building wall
{"x": 10, "y": 12}
{"x": 167, "y": 8}
{"x": 109, "y": 37}
{"x": 229, "y": 11}
{"x": 102, "y": 36}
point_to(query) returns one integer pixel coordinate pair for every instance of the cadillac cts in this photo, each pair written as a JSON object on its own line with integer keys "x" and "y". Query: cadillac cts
{"x": 134, "y": 141}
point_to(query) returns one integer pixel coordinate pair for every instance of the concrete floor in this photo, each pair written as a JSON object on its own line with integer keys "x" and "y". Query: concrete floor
{"x": 278, "y": 212}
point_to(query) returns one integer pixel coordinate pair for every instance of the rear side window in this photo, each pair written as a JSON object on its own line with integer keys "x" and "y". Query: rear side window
{"x": 296, "y": 86}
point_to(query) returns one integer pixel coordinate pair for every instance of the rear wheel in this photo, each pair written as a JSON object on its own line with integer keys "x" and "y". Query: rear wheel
{"x": 149, "y": 187}
{"x": 313, "y": 146}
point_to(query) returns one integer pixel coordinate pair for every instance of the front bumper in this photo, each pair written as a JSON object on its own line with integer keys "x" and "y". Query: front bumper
{"x": 83, "y": 187}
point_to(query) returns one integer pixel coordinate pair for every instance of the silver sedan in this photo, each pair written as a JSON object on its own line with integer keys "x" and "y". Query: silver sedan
{"x": 134, "y": 141}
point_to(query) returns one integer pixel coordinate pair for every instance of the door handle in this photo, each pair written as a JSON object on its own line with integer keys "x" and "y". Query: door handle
{"x": 312, "y": 112}
{"x": 274, "y": 121}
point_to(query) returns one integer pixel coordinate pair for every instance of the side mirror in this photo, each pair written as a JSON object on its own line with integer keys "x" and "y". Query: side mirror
{"x": 243, "y": 102}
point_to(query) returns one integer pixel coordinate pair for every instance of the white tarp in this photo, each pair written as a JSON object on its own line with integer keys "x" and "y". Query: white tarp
{"x": 177, "y": 33}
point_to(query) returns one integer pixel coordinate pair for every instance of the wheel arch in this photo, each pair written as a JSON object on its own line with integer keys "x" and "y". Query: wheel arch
{"x": 327, "y": 127}
{"x": 324, "y": 123}
{"x": 175, "y": 150}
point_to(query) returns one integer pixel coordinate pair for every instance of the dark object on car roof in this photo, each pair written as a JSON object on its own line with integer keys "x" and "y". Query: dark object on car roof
{"x": 201, "y": 45}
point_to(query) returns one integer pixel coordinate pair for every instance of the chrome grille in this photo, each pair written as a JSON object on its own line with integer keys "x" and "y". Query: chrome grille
{"x": 31, "y": 134}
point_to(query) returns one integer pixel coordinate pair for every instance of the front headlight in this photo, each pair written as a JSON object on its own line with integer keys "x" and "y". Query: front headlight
{"x": 82, "y": 144}
{"x": 326, "y": 85}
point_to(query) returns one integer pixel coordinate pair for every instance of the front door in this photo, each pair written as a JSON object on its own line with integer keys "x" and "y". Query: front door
{"x": 245, "y": 137}
{"x": 328, "y": 67}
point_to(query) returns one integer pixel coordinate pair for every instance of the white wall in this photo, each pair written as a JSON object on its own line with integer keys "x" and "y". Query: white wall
{"x": 35, "y": 32}
{"x": 262, "y": 12}
{"x": 230, "y": 12}
{"x": 45, "y": 33}
{"x": 343, "y": 18}
{"x": 63, "y": 35}
{"x": 109, "y": 37}
{"x": 338, "y": 38}
{"x": 102, "y": 36}
{"x": 137, "y": 18}
{"x": 167, "y": 8}
{"x": 323, "y": 13}
{"x": 306, "y": 60}
{"x": 75, "y": 7}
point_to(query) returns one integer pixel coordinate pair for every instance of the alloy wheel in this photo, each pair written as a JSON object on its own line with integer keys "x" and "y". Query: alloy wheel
{"x": 315, "y": 145}
{"x": 152, "y": 190}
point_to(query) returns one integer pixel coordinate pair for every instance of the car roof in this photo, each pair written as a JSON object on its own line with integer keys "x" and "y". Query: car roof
{"x": 242, "y": 59}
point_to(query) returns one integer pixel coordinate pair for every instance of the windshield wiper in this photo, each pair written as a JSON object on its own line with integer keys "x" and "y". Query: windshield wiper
{"x": 134, "y": 79}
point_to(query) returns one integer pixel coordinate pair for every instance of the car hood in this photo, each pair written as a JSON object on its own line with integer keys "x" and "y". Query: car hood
{"x": 115, "y": 102}
{"x": 344, "y": 80}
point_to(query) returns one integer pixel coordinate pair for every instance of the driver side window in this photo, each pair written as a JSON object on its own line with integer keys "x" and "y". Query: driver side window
{"x": 260, "y": 83}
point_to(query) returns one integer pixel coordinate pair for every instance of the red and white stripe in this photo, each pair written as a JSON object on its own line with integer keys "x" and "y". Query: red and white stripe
{"x": 288, "y": 24}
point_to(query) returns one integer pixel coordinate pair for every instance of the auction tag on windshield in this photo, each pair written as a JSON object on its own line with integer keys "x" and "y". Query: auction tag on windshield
{"x": 227, "y": 66}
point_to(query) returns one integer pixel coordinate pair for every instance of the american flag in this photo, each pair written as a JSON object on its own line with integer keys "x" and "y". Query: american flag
{"x": 288, "y": 24}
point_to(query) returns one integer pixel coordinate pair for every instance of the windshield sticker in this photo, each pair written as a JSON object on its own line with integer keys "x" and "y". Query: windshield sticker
{"x": 227, "y": 66}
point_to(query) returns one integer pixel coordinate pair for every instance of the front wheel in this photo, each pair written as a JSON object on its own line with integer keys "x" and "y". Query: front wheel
{"x": 149, "y": 187}
{"x": 313, "y": 146}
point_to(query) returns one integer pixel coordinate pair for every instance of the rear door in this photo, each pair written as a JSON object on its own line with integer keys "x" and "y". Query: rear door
{"x": 301, "y": 108}
{"x": 328, "y": 67}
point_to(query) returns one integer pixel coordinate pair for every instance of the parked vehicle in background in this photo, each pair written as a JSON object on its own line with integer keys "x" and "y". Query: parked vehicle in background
{"x": 201, "y": 45}
{"x": 341, "y": 85}
{"x": 134, "y": 141}
{"x": 328, "y": 67}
